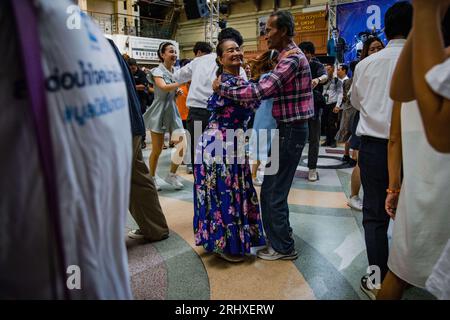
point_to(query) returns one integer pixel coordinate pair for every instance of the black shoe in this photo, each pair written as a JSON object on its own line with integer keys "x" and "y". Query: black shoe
{"x": 346, "y": 158}
{"x": 143, "y": 145}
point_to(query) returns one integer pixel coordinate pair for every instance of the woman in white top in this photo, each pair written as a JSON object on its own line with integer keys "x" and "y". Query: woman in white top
{"x": 163, "y": 116}
{"x": 421, "y": 131}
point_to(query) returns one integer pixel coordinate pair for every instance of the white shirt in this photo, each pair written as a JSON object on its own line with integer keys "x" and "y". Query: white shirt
{"x": 438, "y": 79}
{"x": 201, "y": 72}
{"x": 341, "y": 92}
{"x": 370, "y": 92}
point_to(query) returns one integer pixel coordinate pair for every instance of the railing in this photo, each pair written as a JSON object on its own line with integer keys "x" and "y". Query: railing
{"x": 133, "y": 25}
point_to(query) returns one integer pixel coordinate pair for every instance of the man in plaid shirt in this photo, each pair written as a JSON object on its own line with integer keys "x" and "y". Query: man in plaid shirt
{"x": 289, "y": 84}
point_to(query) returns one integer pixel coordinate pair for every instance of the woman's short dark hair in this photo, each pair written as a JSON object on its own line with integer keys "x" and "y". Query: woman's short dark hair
{"x": 202, "y": 46}
{"x": 285, "y": 20}
{"x": 231, "y": 33}
{"x": 162, "y": 49}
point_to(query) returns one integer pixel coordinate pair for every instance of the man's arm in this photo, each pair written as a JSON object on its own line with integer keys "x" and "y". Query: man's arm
{"x": 340, "y": 93}
{"x": 265, "y": 88}
{"x": 184, "y": 74}
{"x": 322, "y": 76}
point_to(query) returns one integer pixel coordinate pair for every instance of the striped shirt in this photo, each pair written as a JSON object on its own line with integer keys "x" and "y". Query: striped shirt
{"x": 289, "y": 84}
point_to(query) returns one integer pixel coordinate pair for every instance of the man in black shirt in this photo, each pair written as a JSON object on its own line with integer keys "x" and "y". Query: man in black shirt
{"x": 142, "y": 87}
{"x": 319, "y": 76}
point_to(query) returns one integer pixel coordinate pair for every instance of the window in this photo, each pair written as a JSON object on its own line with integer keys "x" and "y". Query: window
{"x": 125, "y": 5}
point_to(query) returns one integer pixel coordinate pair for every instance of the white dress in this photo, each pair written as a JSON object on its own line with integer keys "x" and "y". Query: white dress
{"x": 422, "y": 224}
{"x": 439, "y": 281}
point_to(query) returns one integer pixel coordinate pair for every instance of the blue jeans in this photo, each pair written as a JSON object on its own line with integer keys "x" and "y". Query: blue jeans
{"x": 275, "y": 188}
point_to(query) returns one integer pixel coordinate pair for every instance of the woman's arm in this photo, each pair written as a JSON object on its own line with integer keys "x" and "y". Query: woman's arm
{"x": 160, "y": 83}
{"x": 428, "y": 51}
{"x": 402, "y": 86}
{"x": 394, "y": 161}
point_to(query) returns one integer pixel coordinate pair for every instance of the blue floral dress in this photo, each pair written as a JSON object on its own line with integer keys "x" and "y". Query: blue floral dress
{"x": 227, "y": 218}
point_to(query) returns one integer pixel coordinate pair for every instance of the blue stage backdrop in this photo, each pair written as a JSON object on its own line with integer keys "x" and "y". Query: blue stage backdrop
{"x": 356, "y": 17}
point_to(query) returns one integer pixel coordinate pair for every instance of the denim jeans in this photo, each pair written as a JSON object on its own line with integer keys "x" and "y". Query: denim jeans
{"x": 275, "y": 188}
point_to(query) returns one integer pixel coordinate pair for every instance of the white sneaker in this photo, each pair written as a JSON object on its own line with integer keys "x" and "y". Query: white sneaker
{"x": 355, "y": 203}
{"x": 312, "y": 175}
{"x": 258, "y": 181}
{"x": 157, "y": 186}
{"x": 136, "y": 234}
{"x": 270, "y": 254}
{"x": 172, "y": 179}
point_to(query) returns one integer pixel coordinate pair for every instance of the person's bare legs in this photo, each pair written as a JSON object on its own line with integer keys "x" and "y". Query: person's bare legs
{"x": 180, "y": 146}
{"x": 355, "y": 184}
{"x": 157, "y": 145}
{"x": 255, "y": 167}
{"x": 347, "y": 149}
{"x": 392, "y": 287}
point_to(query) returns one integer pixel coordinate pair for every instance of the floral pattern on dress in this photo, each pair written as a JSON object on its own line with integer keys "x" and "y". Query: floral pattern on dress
{"x": 227, "y": 217}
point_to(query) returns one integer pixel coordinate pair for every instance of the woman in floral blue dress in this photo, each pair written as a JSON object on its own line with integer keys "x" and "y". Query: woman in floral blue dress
{"x": 227, "y": 218}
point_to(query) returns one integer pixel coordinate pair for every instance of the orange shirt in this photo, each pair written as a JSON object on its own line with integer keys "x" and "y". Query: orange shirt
{"x": 181, "y": 102}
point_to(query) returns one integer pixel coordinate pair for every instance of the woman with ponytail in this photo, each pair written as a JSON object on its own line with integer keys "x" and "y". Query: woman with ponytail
{"x": 264, "y": 120}
{"x": 227, "y": 218}
{"x": 163, "y": 116}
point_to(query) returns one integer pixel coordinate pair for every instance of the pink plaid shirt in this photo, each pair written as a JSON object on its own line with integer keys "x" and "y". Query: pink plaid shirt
{"x": 289, "y": 84}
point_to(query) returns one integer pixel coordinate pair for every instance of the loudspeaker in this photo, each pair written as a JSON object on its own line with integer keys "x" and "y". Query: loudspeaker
{"x": 196, "y": 9}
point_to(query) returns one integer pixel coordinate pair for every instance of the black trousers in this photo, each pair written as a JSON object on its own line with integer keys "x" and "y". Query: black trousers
{"x": 201, "y": 117}
{"x": 375, "y": 180}
{"x": 314, "y": 139}
{"x": 333, "y": 124}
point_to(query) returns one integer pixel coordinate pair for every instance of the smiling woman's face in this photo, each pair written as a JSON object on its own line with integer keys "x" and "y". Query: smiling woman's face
{"x": 232, "y": 55}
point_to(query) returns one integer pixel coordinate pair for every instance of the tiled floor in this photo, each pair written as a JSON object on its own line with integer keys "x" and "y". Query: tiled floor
{"x": 328, "y": 234}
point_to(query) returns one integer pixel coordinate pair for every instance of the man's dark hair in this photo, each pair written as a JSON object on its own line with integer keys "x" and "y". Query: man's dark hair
{"x": 353, "y": 65}
{"x": 184, "y": 62}
{"x": 285, "y": 20}
{"x": 344, "y": 67}
{"x": 335, "y": 29}
{"x": 307, "y": 47}
{"x": 231, "y": 33}
{"x": 132, "y": 62}
{"x": 202, "y": 46}
{"x": 398, "y": 20}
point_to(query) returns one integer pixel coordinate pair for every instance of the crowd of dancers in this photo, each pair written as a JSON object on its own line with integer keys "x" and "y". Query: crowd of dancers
{"x": 392, "y": 113}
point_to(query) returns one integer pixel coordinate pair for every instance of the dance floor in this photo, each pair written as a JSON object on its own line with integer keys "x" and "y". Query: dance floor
{"x": 329, "y": 238}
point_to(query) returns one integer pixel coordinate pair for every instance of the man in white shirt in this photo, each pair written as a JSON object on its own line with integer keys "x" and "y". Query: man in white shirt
{"x": 202, "y": 72}
{"x": 370, "y": 95}
{"x": 332, "y": 92}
